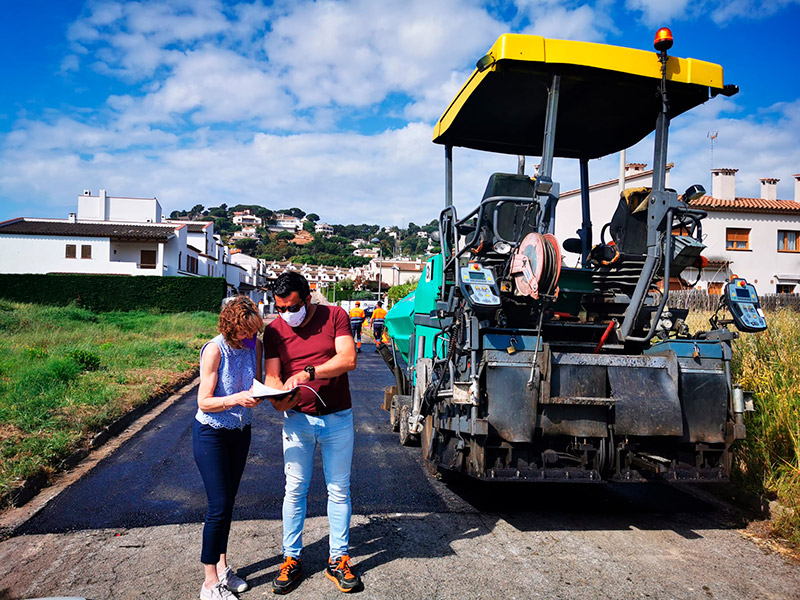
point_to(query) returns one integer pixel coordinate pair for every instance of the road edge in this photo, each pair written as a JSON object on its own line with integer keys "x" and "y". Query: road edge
{"x": 40, "y": 490}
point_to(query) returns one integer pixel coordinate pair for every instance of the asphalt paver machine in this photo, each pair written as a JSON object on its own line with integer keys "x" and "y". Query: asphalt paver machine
{"x": 518, "y": 367}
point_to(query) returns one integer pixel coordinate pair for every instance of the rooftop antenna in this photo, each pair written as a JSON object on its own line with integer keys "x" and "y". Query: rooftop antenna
{"x": 712, "y": 135}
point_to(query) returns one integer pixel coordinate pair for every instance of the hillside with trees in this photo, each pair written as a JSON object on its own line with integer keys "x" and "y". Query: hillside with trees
{"x": 332, "y": 250}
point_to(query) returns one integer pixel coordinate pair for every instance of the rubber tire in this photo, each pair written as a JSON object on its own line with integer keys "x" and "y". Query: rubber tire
{"x": 406, "y": 437}
{"x": 394, "y": 414}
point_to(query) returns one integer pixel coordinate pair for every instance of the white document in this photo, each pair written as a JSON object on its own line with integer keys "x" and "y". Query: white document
{"x": 262, "y": 391}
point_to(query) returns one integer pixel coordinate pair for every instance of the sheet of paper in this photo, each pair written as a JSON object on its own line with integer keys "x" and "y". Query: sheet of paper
{"x": 262, "y": 391}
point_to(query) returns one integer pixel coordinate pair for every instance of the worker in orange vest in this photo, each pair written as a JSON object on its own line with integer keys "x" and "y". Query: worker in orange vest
{"x": 357, "y": 317}
{"x": 376, "y": 322}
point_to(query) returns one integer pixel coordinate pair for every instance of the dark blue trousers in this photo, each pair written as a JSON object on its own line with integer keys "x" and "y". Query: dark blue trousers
{"x": 220, "y": 455}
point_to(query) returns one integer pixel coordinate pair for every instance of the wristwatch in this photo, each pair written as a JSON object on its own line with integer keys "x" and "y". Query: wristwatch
{"x": 311, "y": 372}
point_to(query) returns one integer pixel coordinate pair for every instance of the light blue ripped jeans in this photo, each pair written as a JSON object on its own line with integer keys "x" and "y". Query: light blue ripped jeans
{"x": 301, "y": 434}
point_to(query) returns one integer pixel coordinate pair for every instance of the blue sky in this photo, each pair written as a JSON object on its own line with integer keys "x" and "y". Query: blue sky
{"x": 329, "y": 106}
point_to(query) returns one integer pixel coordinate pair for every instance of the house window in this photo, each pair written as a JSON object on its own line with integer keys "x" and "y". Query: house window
{"x": 715, "y": 288}
{"x": 71, "y": 251}
{"x": 147, "y": 259}
{"x": 783, "y": 288}
{"x": 737, "y": 239}
{"x": 787, "y": 241}
{"x": 86, "y": 251}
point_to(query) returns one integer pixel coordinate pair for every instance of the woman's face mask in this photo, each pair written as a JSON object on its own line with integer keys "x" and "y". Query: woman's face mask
{"x": 294, "y": 319}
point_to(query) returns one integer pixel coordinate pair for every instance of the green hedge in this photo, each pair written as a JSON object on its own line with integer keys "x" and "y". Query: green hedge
{"x": 104, "y": 293}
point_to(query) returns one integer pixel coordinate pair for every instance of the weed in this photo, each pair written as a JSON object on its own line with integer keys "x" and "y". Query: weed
{"x": 89, "y": 361}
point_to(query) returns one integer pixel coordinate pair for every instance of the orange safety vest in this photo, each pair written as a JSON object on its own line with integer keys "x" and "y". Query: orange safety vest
{"x": 378, "y": 317}
{"x": 357, "y": 317}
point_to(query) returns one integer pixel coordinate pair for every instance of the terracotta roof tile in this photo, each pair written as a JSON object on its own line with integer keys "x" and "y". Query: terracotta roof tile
{"x": 753, "y": 205}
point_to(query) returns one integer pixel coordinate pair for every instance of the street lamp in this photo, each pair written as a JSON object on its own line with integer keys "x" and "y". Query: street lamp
{"x": 380, "y": 263}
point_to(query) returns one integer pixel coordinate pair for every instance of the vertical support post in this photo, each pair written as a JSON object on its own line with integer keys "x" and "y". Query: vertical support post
{"x": 544, "y": 181}
{"x": 551, "y": 117}
{"x": 621, "y": 180}
{"x": 448, "y": 175}
{"x": 586, "y": 224}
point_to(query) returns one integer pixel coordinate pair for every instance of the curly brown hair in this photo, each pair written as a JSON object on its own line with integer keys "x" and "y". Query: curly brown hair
{"x": 238, "y": 315}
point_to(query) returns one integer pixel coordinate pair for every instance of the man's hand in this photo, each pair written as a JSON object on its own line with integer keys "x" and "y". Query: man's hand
{"x": 286, "y": 403}
{"x": 299, "y": 378}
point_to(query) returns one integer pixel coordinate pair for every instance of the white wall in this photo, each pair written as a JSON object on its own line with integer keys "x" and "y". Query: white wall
{"x": 762, "y": 262}
{"x": 46, "y": 254}
{"x": 108, "y": 208}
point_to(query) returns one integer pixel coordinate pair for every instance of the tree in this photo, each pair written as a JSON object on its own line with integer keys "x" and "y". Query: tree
{"x": 284, "y": 235}
{"x": 247, "y": 245}
{"x": 397, "y": 292}
{"x": 309, "y": 226}
{"x": 197, "y": 209}
{"x": 312, "y": 217}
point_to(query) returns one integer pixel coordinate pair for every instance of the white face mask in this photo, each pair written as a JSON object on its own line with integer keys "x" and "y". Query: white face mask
{"x": 294, "y": 319}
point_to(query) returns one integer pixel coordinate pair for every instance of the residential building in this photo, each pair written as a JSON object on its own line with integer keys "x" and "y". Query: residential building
{"x": 246, "y": 219}
{"x": 118, "y": 236}
{"x": 323, "y": 228}
{"x": 286, "y": 223}
{"x": 755, "y": 238}
{"x": 604, "y": 199}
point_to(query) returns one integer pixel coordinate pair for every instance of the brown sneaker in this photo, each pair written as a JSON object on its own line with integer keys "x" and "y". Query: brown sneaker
{"x": 340, "y": 573}
{"x": 287, "y": 576}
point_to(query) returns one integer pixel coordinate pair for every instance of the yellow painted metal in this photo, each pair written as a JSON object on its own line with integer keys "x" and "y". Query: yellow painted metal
{"x": 519, "y": 52}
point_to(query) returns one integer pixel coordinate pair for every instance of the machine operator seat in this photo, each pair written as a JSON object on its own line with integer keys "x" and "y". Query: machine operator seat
{"x": 508, "y": 212}
{"x": 618, "y": 263}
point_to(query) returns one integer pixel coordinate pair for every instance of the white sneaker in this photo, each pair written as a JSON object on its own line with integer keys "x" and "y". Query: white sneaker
{"x": 232, "y": 581}
{"x": 217, "y": 592}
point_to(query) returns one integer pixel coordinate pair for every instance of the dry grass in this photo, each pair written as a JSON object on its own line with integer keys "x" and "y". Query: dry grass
{"x": 768, "y": 462}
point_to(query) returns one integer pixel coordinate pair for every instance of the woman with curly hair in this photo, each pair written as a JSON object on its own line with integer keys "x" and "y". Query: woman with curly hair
{"x": 221, "y": 436}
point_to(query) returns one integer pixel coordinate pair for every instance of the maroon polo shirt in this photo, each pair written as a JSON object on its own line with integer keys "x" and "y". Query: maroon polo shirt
{"x": 311, "y": 344}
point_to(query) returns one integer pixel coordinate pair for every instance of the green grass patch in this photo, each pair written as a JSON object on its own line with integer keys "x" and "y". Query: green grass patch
{"x": 66, "y": 372}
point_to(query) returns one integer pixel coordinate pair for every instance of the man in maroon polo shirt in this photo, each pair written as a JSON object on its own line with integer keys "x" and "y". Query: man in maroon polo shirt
{"x": 310, "y": 345}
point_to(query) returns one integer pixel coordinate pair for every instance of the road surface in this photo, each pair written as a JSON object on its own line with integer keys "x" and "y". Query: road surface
{"x": 131, "y": 527}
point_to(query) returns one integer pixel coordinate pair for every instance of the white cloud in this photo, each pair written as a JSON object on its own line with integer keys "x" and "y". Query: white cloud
{"x": 660, "y": 13}
{"x": 589, "y": 22}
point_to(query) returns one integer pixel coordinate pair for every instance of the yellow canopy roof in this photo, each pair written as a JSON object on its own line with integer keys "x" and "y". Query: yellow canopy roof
{"x": 607, "y": 97}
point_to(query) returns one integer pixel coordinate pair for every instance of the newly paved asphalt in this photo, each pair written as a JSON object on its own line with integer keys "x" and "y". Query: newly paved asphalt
{"x": 131, "y": 527}
{"x": 153, "y": 479}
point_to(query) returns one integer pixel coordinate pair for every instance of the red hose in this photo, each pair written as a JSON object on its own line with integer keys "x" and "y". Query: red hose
{"x": 605, "y": 336}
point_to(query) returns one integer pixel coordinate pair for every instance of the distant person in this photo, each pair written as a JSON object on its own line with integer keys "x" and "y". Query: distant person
{"x": 311, "y": 345}
{"x": 221, "y": 436}
{"x": 357, "y": 317}
{"x": 377, "y": 322}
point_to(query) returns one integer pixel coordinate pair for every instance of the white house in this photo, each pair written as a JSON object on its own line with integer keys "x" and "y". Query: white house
{"x": 286, "y": 223}
{"x": 755, "y": 238}
{"x": 246, "y": 219}
{"x": 117, "y": 236}
{"x": 603, "y": 198}
{"x": 323, "y": 228}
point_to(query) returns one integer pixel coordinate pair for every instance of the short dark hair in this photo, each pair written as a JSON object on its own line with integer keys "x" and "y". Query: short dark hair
{"x": 291, "y": 281}
{"x": 380, "y": 303}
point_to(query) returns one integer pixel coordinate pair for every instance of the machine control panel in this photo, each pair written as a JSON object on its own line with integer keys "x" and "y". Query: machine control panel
{"x": 742, "y": 300}
{"x": 479, "y": 285}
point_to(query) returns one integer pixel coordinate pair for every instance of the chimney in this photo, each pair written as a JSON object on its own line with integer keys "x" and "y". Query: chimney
{"x": 103, "y": 204}
{"x": 73, "y": 218}
{"x": 796, "y": 187}
{"x": 723, "y": 184}
{"x": 769, "y": 188}
{"x": 634, "y": 168}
